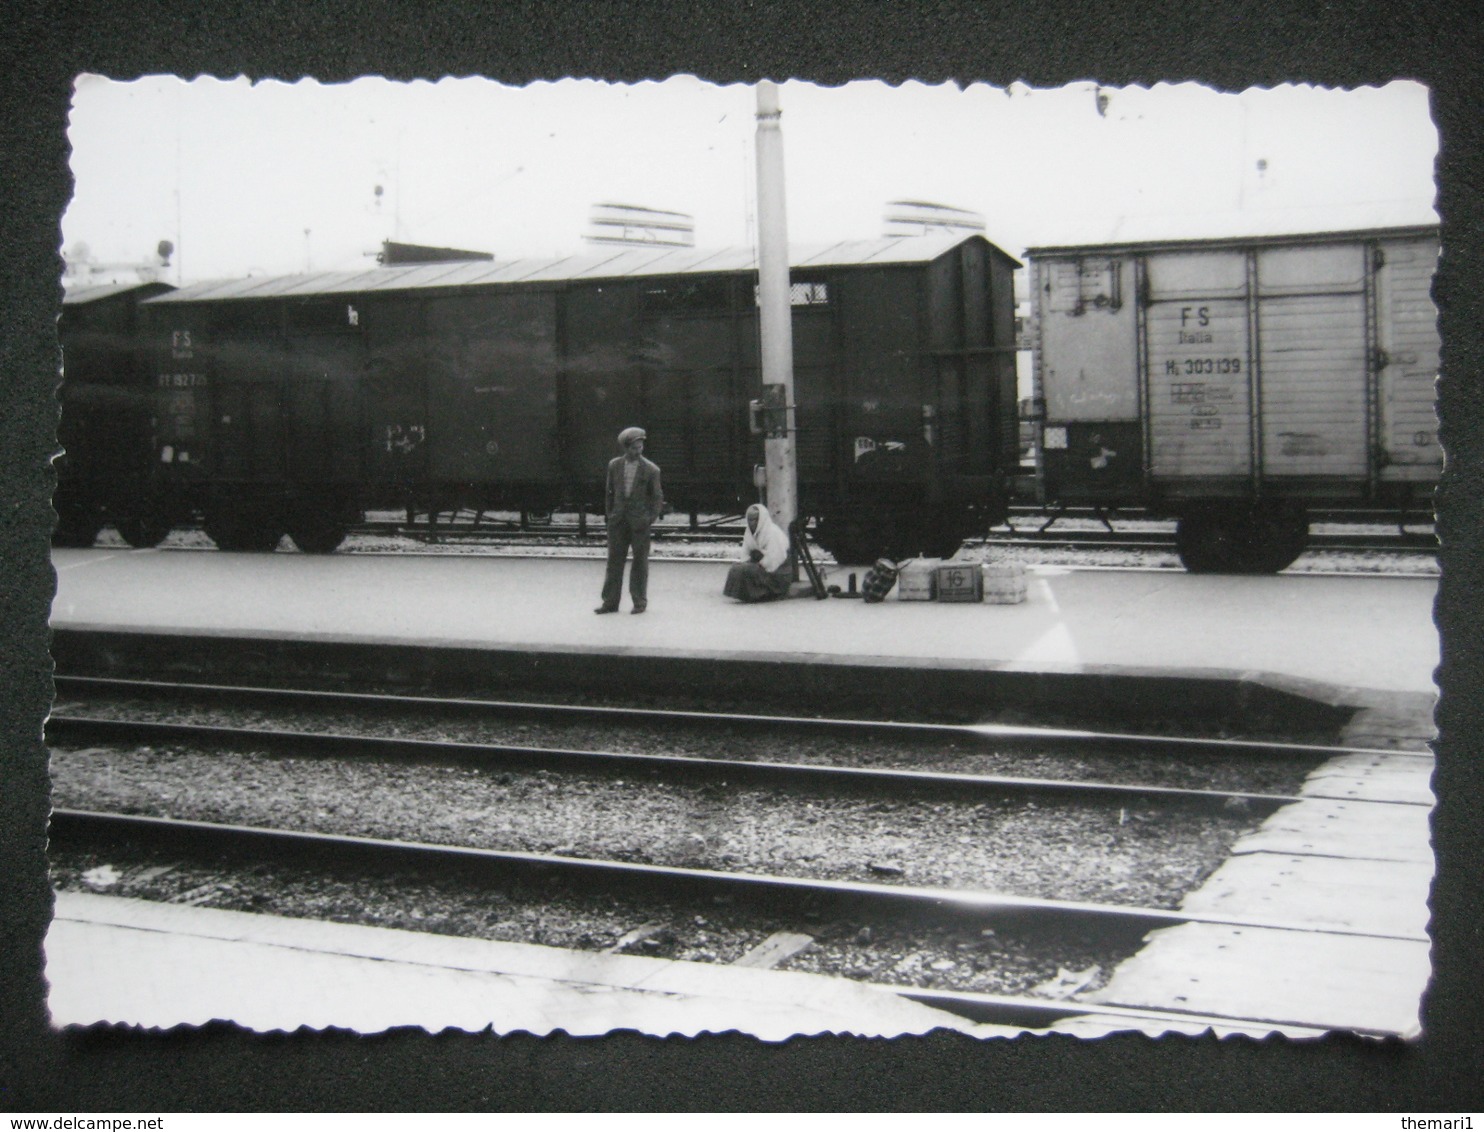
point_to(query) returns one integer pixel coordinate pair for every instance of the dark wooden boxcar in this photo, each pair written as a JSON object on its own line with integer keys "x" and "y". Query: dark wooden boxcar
{"x": 104, "y": 430}
{"x": 300, "y": 402}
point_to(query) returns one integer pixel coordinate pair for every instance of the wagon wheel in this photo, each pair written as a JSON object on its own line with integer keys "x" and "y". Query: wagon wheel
{"x": 1242, "y": 540}
{"x": 851, "y": 541}
{"x": 143, "y": 530}
{"x": 317, "y": 528}
{"x": 1209, "y": 544}
{"x": 246, "y": 531}
{"x": 856, "y": 540}
{"x": 946, "y": 531}
{"x": 317, "y": 534}
{"x": 1280, "y": 533}
{"x": 76, "y": 530}
{"x": 856, "y": 552}
{"x": 942, "y": 546}
{"x": 938, "y": 535}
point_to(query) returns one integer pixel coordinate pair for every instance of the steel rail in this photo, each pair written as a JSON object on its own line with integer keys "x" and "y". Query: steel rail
{"x": 465, "y": 532}
{"x": 977, "y": 905}
{"x": 546, "y": 545}
{"x": 1008, "y": 735}
{"x": 820, "y": 776}
{"x": 594, "y": 553}
{"x": 1155, "y": 540}
{"x": 1415, "y": 542}
{"x": 1002, "y": 1010}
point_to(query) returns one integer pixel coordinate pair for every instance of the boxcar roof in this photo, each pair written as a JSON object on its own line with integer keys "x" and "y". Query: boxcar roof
{"x": 92, "y": 292}
{"x": 617, "y": 263}
{"x": 1234, "y": 240}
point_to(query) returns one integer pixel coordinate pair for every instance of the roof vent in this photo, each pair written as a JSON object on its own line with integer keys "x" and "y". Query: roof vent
{"x": 923, "y": 218}
{"x": 636, "y": 227}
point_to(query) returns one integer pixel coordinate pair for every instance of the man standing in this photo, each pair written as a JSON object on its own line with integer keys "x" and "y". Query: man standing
{"x": 634, "y": 501}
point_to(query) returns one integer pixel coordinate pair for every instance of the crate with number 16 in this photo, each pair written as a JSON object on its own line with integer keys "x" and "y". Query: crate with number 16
{"x": 960, "y": 581}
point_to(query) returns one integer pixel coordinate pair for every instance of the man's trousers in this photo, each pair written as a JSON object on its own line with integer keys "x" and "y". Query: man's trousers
{"x": 622, "y": 534}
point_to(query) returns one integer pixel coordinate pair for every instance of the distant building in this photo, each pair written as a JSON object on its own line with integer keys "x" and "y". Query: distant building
{"x": 393, "y": 254}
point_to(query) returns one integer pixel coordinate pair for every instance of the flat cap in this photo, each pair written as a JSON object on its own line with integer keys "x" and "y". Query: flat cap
{"x": 629, "y": 434}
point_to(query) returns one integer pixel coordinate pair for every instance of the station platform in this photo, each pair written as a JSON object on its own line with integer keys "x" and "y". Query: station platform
{"x": 1361, "y": 635}
{"x": 1367, "y": 642}
{"x": 136, "y": 962}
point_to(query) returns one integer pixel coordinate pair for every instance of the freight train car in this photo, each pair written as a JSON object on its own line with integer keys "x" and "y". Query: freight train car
{"x": 292, "y": 405}
{"x": 103, "y": 473}
{"x": 1236, "y": 384}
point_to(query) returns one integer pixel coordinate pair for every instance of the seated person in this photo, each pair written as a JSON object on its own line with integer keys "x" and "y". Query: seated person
{"x": 767, "y": 572}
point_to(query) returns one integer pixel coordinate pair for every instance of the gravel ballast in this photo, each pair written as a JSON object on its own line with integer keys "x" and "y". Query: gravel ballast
{"x": 882, "y": 949}
{"x": 1066, "y": 850}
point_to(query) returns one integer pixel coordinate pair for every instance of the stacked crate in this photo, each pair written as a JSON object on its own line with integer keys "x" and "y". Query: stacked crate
{"x": 918, "y": 580}
{"x": 1004, "y": 583}
{"x": 960, "y": 581}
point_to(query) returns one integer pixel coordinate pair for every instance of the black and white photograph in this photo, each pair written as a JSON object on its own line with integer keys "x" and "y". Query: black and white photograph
{"x": 685, "y": 557}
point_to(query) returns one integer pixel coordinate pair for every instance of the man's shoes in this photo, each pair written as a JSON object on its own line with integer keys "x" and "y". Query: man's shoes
{"x": 606, "y": 609}
{"x": 640, "y": 608}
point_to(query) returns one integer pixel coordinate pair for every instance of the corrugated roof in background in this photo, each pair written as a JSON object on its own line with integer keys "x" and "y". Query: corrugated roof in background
{"x": 622, "y": 263}
{"x": 1268, "y": 225}
{"x": 92, "y": 292}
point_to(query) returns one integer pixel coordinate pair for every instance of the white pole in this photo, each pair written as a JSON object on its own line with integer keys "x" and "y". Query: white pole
{"x": 775, "y": 316}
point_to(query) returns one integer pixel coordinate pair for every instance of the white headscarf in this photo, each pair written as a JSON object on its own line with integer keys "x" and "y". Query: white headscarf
{"x": 769, "y": 538}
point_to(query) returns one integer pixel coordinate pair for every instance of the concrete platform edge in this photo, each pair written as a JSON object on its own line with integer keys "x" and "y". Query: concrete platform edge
{"x": 581, "y": 992}
{"x": 885, "y": 682}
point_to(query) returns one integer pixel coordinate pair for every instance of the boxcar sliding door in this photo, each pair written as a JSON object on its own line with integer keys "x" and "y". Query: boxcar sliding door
{"x": 1197, "y": 367}
{"x": 1314, "y": 375}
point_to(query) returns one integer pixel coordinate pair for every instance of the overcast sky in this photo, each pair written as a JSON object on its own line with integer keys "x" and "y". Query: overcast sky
{"x": 234, "y": 173}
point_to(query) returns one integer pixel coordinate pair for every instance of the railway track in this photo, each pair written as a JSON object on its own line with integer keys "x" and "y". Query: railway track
{"x": 1010, "y": 737}
{"x": 960, "y": 787}
{"x": 1381, "y": 549}
{"x": 1118, "y": 925}
{"x": 1114, "y": 925}
{"x": 1161, "y": 540}
{"x": 1023, "y": 534}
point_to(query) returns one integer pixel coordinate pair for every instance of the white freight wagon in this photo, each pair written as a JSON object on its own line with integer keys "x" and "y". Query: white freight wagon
{"x": 1234, "y": 384}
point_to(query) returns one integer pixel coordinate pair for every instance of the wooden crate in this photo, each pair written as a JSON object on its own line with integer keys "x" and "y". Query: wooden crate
{"x": 1004, "y": 583}
{"x": 918, "y": 580}
{"x": 960, "y": 581}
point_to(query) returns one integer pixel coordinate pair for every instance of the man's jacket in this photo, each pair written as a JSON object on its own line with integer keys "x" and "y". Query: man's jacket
{"x": 645, "y": 503}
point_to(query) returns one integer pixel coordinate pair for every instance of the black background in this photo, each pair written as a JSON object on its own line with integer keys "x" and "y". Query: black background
{"x": 1230, "y": 45}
